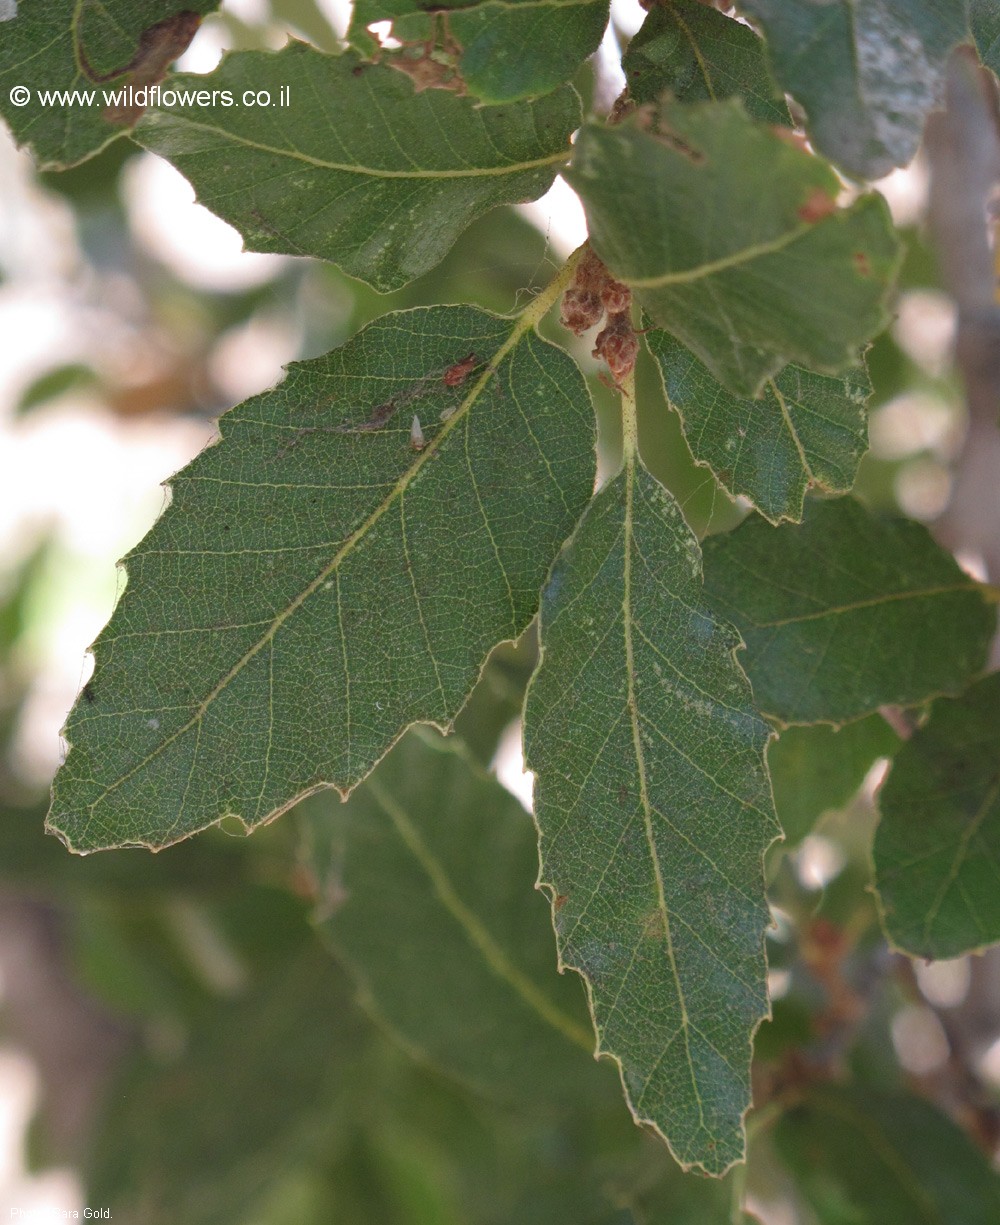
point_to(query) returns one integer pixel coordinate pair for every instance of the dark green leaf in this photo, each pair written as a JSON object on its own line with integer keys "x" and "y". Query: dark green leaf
{"x": 846, "y": 612}
{"x": 426, "y": 882}
{"x": 984, "y": 19}
{"x": 937, "y": 849}
{"x": 861, "y": 1156}
{"x": 700, "y": 55}
{"x": 505, "y": 50}
{"x": 317, "y": 585}
{"x": 867, "y": 74}
{"x": 815, "y": 769}
{"x": 202, "y": 1137}
{"x": 724, "y": 230}
{"x": 86, "y": 45}
{"x": 357, "y": 169}
{"x": 806, "y": 429}
{"x": 654, "y": 811}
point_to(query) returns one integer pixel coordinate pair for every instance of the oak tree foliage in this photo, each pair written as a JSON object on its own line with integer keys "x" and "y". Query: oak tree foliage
{"x": 330, "y": 578}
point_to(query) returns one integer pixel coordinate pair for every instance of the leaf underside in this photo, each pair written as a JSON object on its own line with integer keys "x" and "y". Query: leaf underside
{"x": 847, "y": 612}
{"x": 937, "y": 848}
{"x": 806, "y": 430}
{"x": 866, "y": 74}
{"x": 654, "y": 810}
{"x": 723, "y": 230}
{"x": 358, "y": 169}
{"x": 428, "y": 873}
{"x": 317, "y": 585}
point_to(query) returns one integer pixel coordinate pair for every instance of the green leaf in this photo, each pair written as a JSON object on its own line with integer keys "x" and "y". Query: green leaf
{"x": 75, "y": 378}
{"x": 700, "y": 55}
{"x": 984, "y": 21}
{"x": 816, "y": 769}
{"x": 867, "y": 75}
{"x": 724, "y": 230}
{"x": 859, "y": 1155}
{"x": 846, "y": 612}
{"x": 432, "y": 863}
{"x": 686, "y": 1199}
{"x": 937, "y": 848}
{"x": 201, "y": 1137}
{"x": 86, "y": 45}
{"x": 806, "y": 430}
{"x": 317, "y": 585}
{"x": 654, "y": 811}
{"x": 357, "y": 169}
{"x": 506, "y": 49}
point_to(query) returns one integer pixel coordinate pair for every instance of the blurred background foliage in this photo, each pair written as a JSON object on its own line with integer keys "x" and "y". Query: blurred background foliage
{"x": 177, "y": 1040}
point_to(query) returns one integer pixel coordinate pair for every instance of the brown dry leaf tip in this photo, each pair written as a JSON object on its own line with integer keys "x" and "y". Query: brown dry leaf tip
{"x": 618, "y": 345}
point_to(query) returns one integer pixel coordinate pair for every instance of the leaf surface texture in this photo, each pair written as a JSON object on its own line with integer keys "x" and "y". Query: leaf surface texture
{"x": 937, "y": 848}
{"x": 654, "y": 810}
{"x": 358, "y": 169}
{"x": 846, "y": 612}
{"x": 317, "y": 585}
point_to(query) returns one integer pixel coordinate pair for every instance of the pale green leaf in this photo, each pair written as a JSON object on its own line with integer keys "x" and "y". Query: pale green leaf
{"x": 504, "y": 50}
{"x": 317, "y": 585}
{"x": 426, "y": 883}
{"x": 937, "y": 848}
{"x": 820, "y": 768}
{"x": 700, "y": 55}
{"x": 807, "y": 430}
{"x": 724, "y": 231}
{"x": 847, "y": 612}
{"x": 862, "y": 1156}
{"x": 866, "y": 73}
{"x": 654, "y": 810}
{"x": 86, "y": 45}
{"x": 358, "y": 169}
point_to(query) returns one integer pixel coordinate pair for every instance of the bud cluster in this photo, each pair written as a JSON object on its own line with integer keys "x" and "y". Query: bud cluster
{"x": 593, "y": 294}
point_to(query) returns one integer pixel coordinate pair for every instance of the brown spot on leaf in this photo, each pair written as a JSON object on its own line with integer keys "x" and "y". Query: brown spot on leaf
{"x": 159, "y": 46}
{"x": 817, "y": 206}
{"x": 861, "y": 263}
{"x": 456, "y": 375}
{"x": 560, "y": 900}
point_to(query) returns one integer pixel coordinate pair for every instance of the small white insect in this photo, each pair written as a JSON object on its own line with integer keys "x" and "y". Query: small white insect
{"x": 417, "y": 439}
